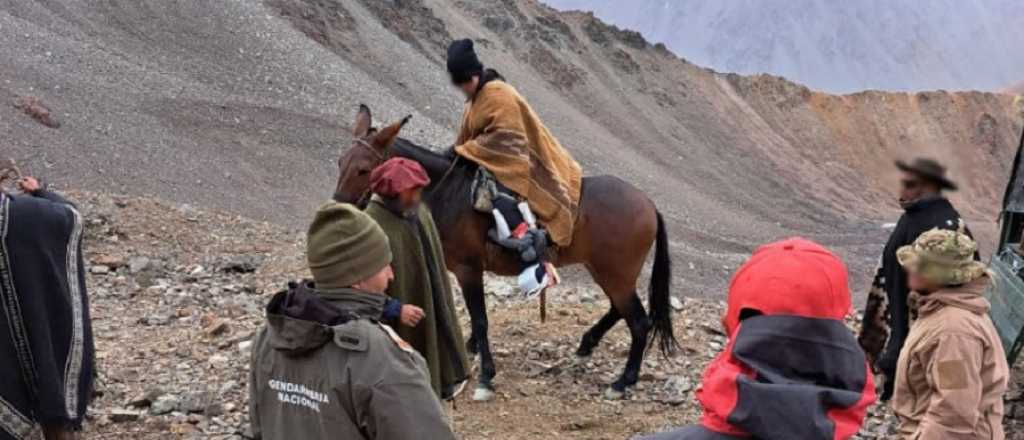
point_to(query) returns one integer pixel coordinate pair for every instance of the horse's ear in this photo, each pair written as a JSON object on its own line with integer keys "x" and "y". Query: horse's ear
{"x": 364, "y": 120}
{"x": 387, "y": 135}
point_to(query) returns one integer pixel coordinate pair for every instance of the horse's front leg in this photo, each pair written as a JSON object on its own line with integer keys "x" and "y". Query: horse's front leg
{"x": 472, "y": 281}
{"x": 471, "y": 346}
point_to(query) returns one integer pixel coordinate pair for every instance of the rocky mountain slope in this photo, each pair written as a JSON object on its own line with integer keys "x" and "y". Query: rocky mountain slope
{"x": 837, "y": 46}
{"x": 244, "y": 106}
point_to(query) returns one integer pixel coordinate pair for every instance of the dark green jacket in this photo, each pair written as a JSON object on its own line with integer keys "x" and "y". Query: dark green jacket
{"x": 422, "y": 280}
{"x": 324, "y": 368}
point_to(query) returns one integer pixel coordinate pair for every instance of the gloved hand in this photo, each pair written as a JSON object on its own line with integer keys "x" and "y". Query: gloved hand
{"x": 524, "y": 247}
{"x": 527, "y": 252}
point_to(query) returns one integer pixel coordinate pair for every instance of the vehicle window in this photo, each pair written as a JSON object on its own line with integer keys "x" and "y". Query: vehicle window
{"x": 1013, "y": 231}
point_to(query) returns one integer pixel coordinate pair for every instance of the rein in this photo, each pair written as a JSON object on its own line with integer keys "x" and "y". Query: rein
{"x": 383, "y": 157}
{"x": 449, "y": 172}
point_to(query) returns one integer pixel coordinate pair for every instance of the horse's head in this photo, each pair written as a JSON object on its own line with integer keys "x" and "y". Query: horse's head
{"x": 369, "y": 149}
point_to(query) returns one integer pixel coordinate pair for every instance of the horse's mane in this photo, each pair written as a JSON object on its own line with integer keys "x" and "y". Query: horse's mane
{"x": 451, "y": 179}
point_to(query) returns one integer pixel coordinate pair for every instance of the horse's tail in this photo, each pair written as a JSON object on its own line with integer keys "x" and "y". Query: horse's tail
{"x": 659, "y": 299}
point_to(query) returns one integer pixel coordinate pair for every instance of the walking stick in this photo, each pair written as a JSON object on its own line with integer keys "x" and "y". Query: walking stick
{"x": 556, "y": 280}
{"x": 543, "y": 305}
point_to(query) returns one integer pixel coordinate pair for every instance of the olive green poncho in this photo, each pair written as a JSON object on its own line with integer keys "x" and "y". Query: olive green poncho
{"x": 422, "y": 280}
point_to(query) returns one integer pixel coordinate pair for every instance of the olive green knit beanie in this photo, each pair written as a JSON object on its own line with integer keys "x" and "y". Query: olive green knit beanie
{"x": 345, "y": 246}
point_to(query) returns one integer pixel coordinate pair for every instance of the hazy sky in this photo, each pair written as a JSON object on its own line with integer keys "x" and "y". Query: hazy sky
{"x": 839, "y": 46}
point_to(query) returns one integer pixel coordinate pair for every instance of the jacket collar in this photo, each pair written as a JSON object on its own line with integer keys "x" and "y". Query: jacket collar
{"x": 301, "y": 319}
{"x": 488, "y": 76}
{"x": 925, "y": 203}
{"x": 970, "y": 297}
{"x": 362, "y": 304}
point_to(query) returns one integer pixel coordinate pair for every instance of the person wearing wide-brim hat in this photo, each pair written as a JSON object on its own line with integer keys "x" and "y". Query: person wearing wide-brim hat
{"x": 952, "y": 371}
{"x": 925, "y": 207}
{"x": 928, "y": 172}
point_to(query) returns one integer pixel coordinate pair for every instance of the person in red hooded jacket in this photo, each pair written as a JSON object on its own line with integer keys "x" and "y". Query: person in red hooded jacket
{"x": 792, "y": 369}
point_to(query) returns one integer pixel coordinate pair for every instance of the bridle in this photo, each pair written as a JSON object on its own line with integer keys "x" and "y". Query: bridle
{"x": 383, "y": 157}
{"x": 364, "y": 198}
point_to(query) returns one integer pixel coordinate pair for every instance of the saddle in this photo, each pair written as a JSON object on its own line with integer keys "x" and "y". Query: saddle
{"x": 484, "y": 190}
{"x": 515, "y": 228}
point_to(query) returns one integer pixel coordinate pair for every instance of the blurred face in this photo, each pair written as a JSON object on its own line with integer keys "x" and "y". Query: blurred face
{"x": 920, "y": 284}
{"x": 468, "y": 88}
{"x": 410, "y": 199}
{"x": 378, "y": 283}
{"x": 913, "y": 187}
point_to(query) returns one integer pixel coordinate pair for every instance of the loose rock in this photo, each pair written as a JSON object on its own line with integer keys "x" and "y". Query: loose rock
{"x": 164, "y": 405}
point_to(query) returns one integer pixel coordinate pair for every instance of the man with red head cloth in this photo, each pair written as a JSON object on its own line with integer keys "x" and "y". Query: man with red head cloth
{"x": 792, "y": 369}
{"x": 422, "y": 303}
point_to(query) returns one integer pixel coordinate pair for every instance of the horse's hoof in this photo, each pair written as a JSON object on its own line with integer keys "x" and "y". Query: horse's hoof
{"x": 483, "y": 394}
{"x": 612, "y": 394}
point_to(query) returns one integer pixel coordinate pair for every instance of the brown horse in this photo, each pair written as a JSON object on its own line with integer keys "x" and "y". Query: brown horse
{"x": 616, "y": 228}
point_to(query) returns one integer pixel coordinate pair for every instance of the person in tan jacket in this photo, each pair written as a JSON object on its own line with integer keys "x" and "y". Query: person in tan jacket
{"x": 952, "y": 372}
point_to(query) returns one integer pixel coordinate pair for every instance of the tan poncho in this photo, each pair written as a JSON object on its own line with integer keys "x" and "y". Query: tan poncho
{"x": 502, "y": 133}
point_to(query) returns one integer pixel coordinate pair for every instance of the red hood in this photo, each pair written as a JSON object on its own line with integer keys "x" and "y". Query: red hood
{"x": 788, "y": 377}
{"x": 792, "y": 370}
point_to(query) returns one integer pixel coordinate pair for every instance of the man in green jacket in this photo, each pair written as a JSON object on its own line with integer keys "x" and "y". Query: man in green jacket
{"x": 421, "y": 280}
{"x": 324, "y": 367}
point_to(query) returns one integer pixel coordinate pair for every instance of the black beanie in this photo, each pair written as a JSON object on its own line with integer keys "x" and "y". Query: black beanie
{"x": 462, "y": 61}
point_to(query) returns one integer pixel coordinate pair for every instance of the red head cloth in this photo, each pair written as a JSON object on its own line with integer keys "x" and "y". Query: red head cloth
{"x": 789, "y": 277}
{"x": 397, "y": 175}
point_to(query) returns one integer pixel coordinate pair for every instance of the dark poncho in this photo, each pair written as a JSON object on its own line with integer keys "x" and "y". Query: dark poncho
{"x": 422, "y": 280}
{"x": 46, "y": 342}
{"x": 918, "y": 218}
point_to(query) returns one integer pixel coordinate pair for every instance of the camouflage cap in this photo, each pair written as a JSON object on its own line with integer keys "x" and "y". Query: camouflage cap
{"x": 944, "y": 257}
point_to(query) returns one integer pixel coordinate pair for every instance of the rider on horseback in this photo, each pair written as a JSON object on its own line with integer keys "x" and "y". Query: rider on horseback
{"x": 534, "y": 173}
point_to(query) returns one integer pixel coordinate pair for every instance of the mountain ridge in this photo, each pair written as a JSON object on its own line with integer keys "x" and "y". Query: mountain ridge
{"x": 245, "y": 106}
{"x": 837, "y": 47}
